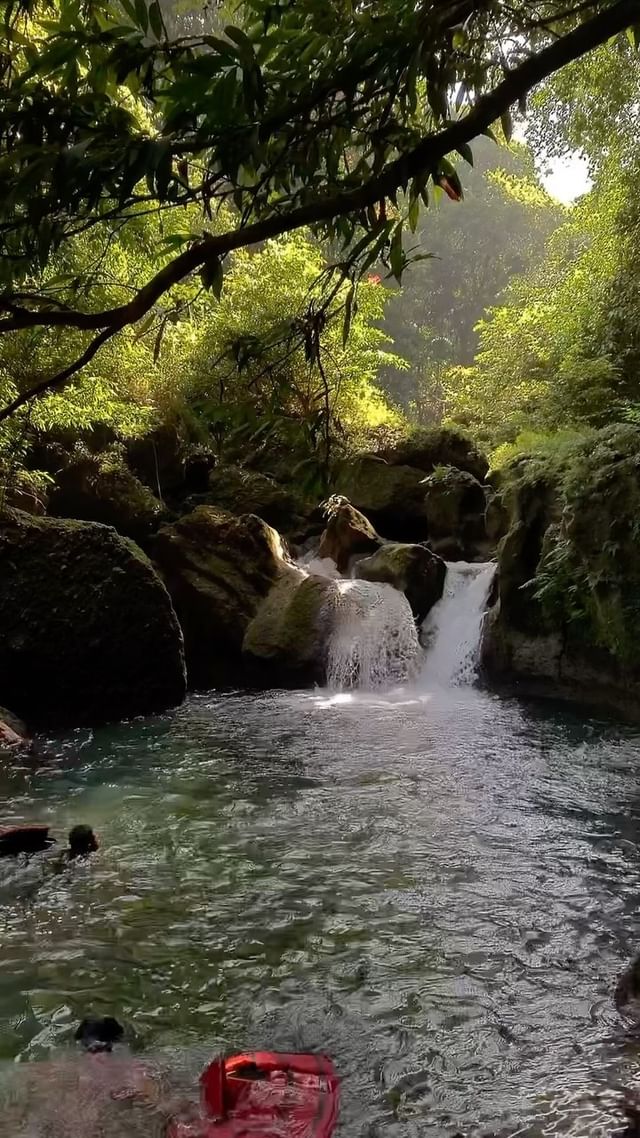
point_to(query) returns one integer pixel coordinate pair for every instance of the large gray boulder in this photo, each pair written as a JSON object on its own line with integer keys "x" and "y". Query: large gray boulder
{"x": 249, "y": 615}
{"x": 88, "y": 630}
{"x": 285, "y": 644}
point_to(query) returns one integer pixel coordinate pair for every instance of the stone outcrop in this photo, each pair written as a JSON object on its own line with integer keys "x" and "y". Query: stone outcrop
{"x": 218, "y": 569}
{"x": 242, "y": 491}
{"x": 390, "y": 496}
{"x": 454, "y": 506}
{"x": 566, "y": 620}
{"x": 429, "y": 448}
{"x": 285, "y": 643}
{"x": 348, "y": 534}
{"x": 88, "y": 490}
{"x": 249, "y": 615}
{"x": 412, "y": 569}
{"x": 88, "y": 630}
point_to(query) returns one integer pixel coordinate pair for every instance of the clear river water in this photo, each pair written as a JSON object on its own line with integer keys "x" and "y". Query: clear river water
{"x": 436, "y": 885}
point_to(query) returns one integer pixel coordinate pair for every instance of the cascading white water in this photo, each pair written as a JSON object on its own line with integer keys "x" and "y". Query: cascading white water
{"x": 452, "y": 631}
{"x": 373, "y": 641}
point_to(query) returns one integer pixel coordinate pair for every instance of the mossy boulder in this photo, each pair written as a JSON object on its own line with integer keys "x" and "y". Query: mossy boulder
{"x": 412, "y": 569}
{"x": 348, "y": 534}
{"x": 94, "y": 490}
{"x": 88, "y": 630}
{"x": 285, "y": 643}
{"x": 390, "y": 496}
{"x": 454, "y": 506}
{"x": 428, "y": 448}
{"x": 241, "y": 491}
{"x": 218, "y": 569}
{"x": 567, "y": 616}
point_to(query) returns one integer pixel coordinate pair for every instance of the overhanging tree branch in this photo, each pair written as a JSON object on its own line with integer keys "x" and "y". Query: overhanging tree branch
{"x": 395, "y": 175}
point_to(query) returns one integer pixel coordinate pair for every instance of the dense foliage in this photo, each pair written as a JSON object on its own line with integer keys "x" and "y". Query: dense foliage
{"x": 563, "y": 351}
{"x": 298, "y": 114}
{"x": 475, "y": 249}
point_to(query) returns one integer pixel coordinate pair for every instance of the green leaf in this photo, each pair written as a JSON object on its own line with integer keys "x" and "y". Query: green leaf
{"x": 246, "y": 48}
{"x": 465, "y": 151}
{"x": 414, "y": 214}
{"x": 142, "y": 15}
{"x": 507, "y": 125}
{"x": 155, "y": 20}
{"x": 212, "y": 276}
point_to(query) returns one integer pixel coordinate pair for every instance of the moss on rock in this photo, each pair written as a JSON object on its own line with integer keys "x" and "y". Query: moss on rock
{"x": 569, "y": 566}
{"x": 285, "y": 643}
{"x": 412, "y": 569}
{"x": 218, "y": 569}
{"x": 428, "y": 448}
{"x": 88, "y": 630}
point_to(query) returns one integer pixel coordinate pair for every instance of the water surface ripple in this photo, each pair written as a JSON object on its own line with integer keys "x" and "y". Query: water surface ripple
{"x": 438, "y": 891}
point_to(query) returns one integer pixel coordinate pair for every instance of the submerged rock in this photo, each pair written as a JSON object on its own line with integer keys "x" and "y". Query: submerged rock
{"x": 348, "y": 534}
{"x": 88, "y": 630}
{"x": 16, "y": 726}
{"x": 412, "y": 569}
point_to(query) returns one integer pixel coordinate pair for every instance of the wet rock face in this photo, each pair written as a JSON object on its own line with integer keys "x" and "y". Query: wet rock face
{"x": 218, "y": 569}
{"x": 88, "y": 630}
{"x": 412, "y": 569}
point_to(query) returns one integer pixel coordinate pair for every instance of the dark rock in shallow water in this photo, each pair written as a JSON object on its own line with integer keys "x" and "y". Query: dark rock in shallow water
{"x": 88, "y": 630}
{"x": 16, "y": 725}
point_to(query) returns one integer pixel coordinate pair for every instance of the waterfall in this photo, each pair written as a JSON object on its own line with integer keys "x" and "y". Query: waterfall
{"x": 451, "y": 633}
{"x": 373, "y": 642}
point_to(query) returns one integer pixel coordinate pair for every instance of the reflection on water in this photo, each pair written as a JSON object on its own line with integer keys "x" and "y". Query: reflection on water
{"x": 438, "y": 890}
